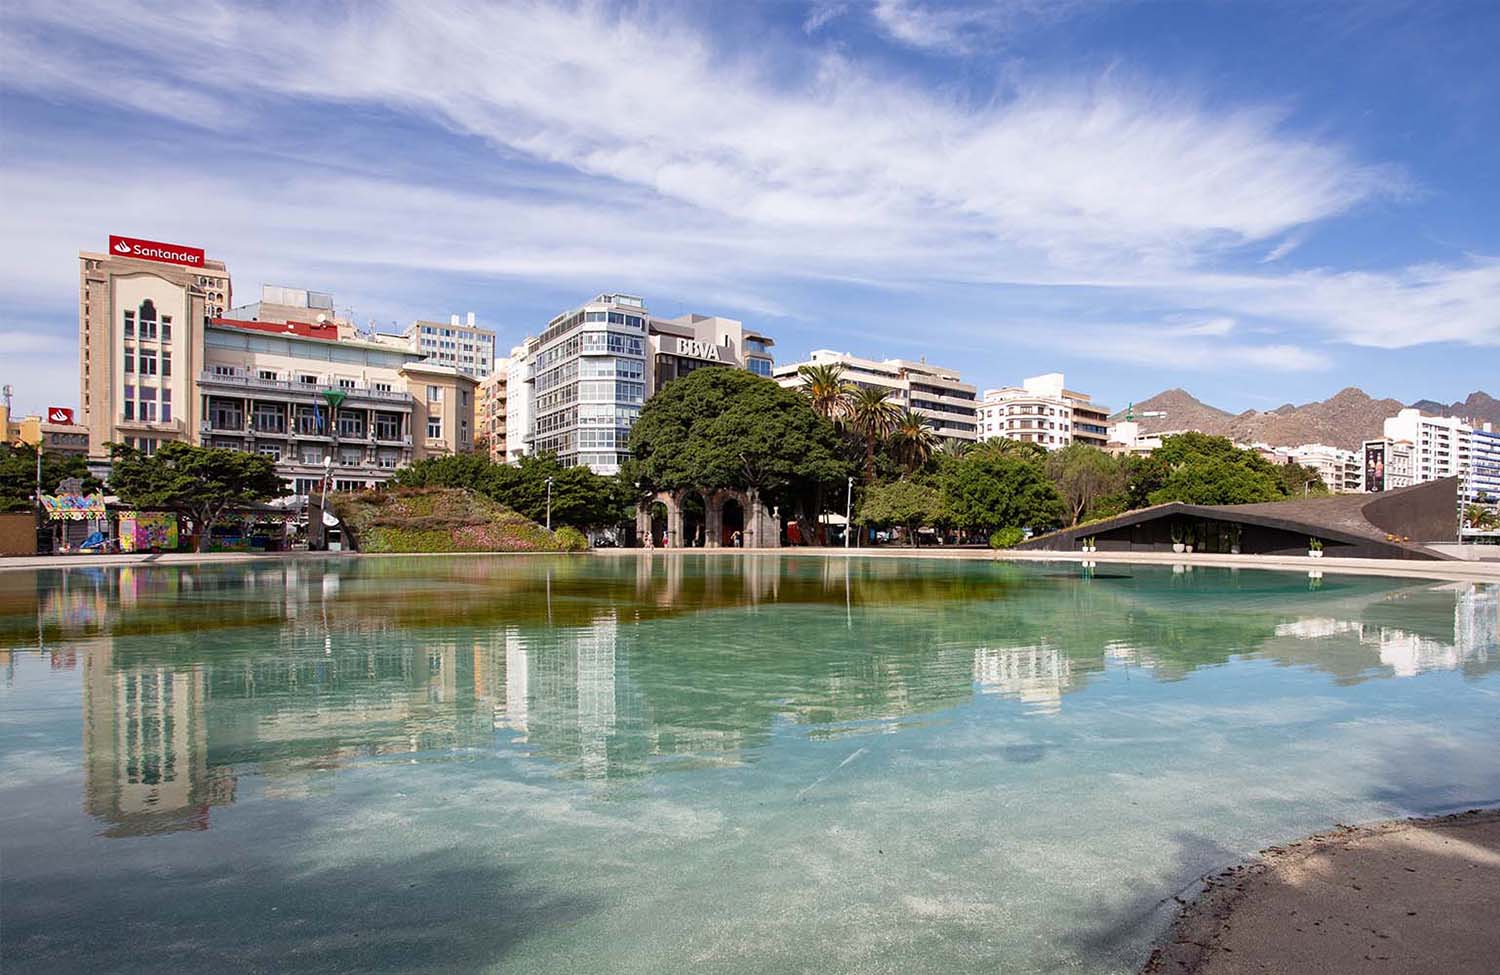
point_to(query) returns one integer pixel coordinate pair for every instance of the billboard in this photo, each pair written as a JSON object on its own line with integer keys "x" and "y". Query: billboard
{"x": 155, "y": 250}
{"x": 1374, "y": 467}
{"x": 59, "y": 414}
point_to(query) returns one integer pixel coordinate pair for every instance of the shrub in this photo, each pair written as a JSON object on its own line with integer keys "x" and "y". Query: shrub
{"x": 570, "y": 539}
{"x": 1007, "y": 537}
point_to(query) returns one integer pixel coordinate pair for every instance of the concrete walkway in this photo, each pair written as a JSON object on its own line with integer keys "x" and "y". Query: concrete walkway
{"x": 1399, "y": 568}
{"x": 1416, "y": 897}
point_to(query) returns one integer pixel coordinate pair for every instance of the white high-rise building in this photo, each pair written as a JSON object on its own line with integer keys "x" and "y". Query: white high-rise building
{"x": 1341, "y": 470}
{"x": 519, "y": 399}
{"x": 1044, "y": 411}
{"x": 1441, "y": 443}
{"x": 464, "y": 346}
{"x": 937, "y": 394}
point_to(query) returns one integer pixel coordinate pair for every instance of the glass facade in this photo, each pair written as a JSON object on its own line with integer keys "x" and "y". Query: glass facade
{"x": 589, "y": 382}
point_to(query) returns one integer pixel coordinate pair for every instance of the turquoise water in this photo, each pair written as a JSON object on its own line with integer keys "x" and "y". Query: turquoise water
{"x": 681, "y": 763}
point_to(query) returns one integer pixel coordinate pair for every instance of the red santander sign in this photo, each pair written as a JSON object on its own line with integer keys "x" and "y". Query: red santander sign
{"x": 155, "y": 250}
{"x": 59, "y": 414}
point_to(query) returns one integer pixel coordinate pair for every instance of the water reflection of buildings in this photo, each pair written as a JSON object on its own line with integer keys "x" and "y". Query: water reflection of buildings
{"x": 1037, "y": 676}
{"x": 311, "y": 668}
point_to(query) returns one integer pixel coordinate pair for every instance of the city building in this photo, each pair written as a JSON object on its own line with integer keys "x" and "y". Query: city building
{"x": 297, "y": 393}
{"x": 588, "y": 382}
{"x": 1441, "y": 443}
{"x": 577, "y": 389}
{"x": 519, "y": 399}
{"x": 1126, "y": 437}
{"x": 492, "y": 411}
{"x": 464, "y": 346}
{"x": 1483, "y": 482}
{"x": 681, "y": 345}
{"x": 143, "y": 308}
{"x": 1387, "y": 465}
{"x": 159, "y": 362}
{"x": 1342, "y": 471}
{"x": 933, "y": 392}
{"x": 56, "y": 432}
{"x": 1043, "y": 410}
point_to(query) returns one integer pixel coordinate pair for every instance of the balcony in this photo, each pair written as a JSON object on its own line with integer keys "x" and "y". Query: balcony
{"x": 249, "y": 385}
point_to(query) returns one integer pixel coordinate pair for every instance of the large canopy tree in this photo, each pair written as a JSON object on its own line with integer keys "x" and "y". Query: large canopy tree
{"x": 991, "y": 488}
{"x": 907, "y": 503}
{"x": 1084, "y": 476}
{"x": 1200, "y": 469}
{"x": 718, "y": 428}
{"x": 204, "y": 483}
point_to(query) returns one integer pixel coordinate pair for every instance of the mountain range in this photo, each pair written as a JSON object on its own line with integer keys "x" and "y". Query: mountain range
{"x": 1345, "y": 419}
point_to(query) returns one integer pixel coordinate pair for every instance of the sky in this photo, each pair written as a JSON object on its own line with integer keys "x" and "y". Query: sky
{"x": 1262, "y": 201}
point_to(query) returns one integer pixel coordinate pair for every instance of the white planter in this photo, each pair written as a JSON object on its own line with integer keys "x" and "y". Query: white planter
{"x": 1190, "y": 550}
{"x": 1315, "y": 553}
{"x": 1178, "y": 547}
{"x": 1234, "y": 550}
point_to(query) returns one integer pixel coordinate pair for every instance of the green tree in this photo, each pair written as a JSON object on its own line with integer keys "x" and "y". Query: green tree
{"x": 914, "y": 441}
{"x": 873, "y": 417}
{"x": 906, "y": 503}
{"x": 203, "y": 483}
{"x": 1296, "y": 481}
{"x": 826, "y": 389}
{"x": 1083, "y": 476}
{"x": 1200, "y": 469}
{"x": 991, "y": 488}
{"x": 717, "y": 428}
{"x": 18, "y": 475}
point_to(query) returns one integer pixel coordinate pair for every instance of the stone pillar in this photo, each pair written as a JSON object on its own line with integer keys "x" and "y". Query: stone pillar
{"x": 674, "y": 519}
{"x": 642, "y": 522}
{"x": 761, "y": 527}
{"x": 713, "y": 519}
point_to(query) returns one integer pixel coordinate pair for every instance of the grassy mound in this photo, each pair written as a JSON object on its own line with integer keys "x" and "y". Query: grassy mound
{"x": 444, "y": 520}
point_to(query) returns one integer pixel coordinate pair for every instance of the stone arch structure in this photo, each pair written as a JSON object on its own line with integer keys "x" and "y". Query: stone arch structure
{"x": 762, "y": 528}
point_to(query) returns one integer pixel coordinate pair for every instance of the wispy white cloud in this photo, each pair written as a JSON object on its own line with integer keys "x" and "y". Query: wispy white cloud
{"x": 692, "y": 170}
{"x": 962, "y": 26}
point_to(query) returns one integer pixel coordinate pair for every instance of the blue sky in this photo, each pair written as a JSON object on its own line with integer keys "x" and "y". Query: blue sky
{"x": 1260, "y": 201}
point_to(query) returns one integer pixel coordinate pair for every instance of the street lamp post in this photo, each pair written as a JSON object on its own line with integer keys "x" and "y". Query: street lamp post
{"x": 849, "y": 513}
{"x": 549, "y": 504}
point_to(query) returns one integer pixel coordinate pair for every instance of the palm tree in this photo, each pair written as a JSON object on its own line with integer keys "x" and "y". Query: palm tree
{"x": 915, "y": 441}
{"x": 872, "y": 417}
{"x": 826, "y": 388}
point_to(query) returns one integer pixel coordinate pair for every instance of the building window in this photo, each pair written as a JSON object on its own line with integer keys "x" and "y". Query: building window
{"x": 129, "y": 361}
{"x": 129, "y": 324}
{"x": 351, "y": 424}
{"x": 147, "y": 317}
{"x": 166, "y": 363}
{"x": 147, "y": 362}
{"x": 435, "y": 428}
{"x": 224, "y": 372}
{"x": 382, "y": 387}
{"x": 346, "y": 384}
{"x": 269, "y": 450}
{"x": 267, "y": 374}
{"x": 307, "y": 380}
{"x": 434, "y": 394}
{"x": 166, "y": 328}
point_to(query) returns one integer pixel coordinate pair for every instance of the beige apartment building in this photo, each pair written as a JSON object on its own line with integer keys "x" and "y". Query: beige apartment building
{"x": 158, "y": 362}
{"x": 55, "y": 437}
{"x": 937, "y": 394}
{"x": 1044, "y": 411}
{"x": 492, "y": 409}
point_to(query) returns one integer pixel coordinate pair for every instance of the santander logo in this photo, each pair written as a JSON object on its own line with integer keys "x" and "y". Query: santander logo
{"x": 155, "y": 250}
{"x": 59, "y": 414}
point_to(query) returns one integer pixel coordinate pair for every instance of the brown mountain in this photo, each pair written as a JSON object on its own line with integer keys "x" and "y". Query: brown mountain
{"x": 1345, "y": 419}
{"x": 1478, "y": 406}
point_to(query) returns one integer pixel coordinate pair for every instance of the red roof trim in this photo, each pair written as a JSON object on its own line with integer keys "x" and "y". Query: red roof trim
{"x": 307, "y": 330}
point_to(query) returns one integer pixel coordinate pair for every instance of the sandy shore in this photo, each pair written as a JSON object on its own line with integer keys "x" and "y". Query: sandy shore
{"x": 1408, "y": 897}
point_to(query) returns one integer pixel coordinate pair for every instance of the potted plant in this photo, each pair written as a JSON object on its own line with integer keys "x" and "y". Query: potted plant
{"x": 1177, "y": 545}
{"x": 1315, "y": 548}
{"x": 1190, "y": 538}
{"x": 1089, "y": 544}
{"x": 1234, "y": 539}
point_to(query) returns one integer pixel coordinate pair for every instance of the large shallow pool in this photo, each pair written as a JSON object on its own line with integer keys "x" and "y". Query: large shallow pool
{"x": 680, "y": 763}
